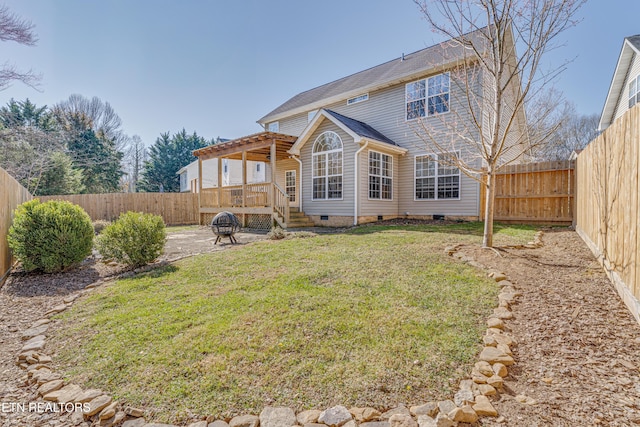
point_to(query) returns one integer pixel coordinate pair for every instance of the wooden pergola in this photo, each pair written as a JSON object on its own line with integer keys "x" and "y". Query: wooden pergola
{"x": 261, "y": 198}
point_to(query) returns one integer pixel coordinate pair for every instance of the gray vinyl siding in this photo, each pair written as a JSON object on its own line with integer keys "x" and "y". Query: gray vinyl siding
{"x": 375, "y": 207}
{"x": 623, "y": 101}
{"x": 286, "y": 165}
{"x": 342, "y": 207}
{"x": 385, "y": 112}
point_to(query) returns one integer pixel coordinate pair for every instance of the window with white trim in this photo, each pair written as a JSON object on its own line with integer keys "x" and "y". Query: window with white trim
{"x": 380, "y": 176}
{"x": 290, "y": 184}
{"x": 437, "y": 178}
{"x": 427, "y": 97}
{"x": 327, "y": 167}
{"x": 274, "y": 127}
{"x": 634, "y": 91}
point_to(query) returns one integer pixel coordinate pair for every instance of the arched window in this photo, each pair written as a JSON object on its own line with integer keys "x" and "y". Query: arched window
{"x": 327, "y": 167}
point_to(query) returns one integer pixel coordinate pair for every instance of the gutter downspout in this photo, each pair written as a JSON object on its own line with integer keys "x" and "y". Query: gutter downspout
{"x": 355, "y": 186}
{"x": 299, "y": 183}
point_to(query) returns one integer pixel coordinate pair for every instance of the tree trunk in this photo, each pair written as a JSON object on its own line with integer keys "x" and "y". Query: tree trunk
{"x": 487, "y": 238}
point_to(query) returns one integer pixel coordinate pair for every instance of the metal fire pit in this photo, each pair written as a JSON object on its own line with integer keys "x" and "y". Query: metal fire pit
{"x": 225, "y": 224}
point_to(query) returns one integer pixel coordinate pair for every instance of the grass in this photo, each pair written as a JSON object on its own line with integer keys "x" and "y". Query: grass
{"x": 181, "y": 228}
{"x": 376, "y": 316}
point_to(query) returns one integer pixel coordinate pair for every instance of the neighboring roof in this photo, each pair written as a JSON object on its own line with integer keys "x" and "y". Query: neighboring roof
{"x": 404, "y": 68}
{"x": 630, "y": 47}
{"x": 359, "y": 131}
{"x": 360, "y": 128}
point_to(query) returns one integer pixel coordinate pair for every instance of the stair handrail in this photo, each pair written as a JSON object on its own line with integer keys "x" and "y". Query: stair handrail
{"x": 281, "y": 205}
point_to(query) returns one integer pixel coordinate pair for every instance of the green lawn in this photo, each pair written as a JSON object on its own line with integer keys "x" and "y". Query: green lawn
{"x": 375, "y": 316}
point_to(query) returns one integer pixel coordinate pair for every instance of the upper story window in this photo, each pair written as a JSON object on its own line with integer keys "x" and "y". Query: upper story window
{"x": 359, "y": 98}
{"x": 436, "y": 177}
{"x": 311, "y": 115}
{"x": 380, "y": 176}
{"x": 274, "y": 127}
{"x": 427, "y": 97}
{"x": 327, "y": 166}
{"x": 634, "y": 91}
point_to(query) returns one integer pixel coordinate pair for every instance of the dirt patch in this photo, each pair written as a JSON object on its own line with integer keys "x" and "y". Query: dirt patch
{"x": 578, "y": 352}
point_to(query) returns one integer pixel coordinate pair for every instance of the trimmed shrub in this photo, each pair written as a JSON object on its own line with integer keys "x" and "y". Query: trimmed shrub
{"x": 135, "y": 239}
{"x": 51, "y": 237}
{"x": 99, "y": 225}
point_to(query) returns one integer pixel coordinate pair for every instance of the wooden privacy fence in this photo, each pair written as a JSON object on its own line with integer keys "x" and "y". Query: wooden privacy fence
{"x": 608, "y": 206}
{"x": 174, "y": 208}
{"x": 11, "y": 195}
{"x": 534, "y": 193}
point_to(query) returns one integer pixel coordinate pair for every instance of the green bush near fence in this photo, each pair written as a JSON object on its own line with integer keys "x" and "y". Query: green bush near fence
{"x": 50, "y": 237}
{"x": 135, "y": 239}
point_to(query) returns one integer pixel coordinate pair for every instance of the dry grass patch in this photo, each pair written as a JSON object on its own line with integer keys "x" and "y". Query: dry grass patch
{"x": 373, "y": 317}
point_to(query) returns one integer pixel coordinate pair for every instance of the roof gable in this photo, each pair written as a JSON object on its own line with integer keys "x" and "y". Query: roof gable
{"x": 359, "y": 131}
{"x": 405, "y": 68}
{"x": 630, "y": 48}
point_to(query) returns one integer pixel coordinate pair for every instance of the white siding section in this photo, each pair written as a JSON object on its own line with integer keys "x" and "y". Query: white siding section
{"x": 385, "y": 112}
{"x": 342, "y": 207}
{"x": 623, "y": 101}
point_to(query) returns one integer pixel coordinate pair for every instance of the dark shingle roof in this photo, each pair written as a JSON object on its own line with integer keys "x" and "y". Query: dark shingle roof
{"x": 404, "y": 67}
{"x": 360, "y": 128}
{"x": 635, "y": 41}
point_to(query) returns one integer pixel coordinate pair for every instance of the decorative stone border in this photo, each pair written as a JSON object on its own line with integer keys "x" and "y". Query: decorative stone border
{"x": 96, "y": 408}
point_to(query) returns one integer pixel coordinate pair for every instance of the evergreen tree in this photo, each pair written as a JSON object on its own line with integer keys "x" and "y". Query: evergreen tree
{"x": 61, "y": 177}
{"x": 166, "y": 157}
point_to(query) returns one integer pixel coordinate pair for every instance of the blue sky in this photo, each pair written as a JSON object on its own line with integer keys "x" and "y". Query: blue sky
{"x": 215, "y": 67}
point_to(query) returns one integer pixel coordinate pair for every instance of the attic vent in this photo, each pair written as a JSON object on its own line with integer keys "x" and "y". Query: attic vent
{"x": 359, "y": 98}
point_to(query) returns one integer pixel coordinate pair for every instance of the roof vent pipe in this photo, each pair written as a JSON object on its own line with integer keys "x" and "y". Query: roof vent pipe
{"x": 402, "y": 59}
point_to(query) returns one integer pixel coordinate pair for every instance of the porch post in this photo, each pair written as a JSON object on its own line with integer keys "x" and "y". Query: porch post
{"x": 244, "y": 186}
{"x": 199, "y": 189}
{"x": 219, "y": 181}
{"x": 273, "y": 173}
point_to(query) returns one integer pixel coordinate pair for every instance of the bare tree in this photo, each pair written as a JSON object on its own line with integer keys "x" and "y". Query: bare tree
{"x": 488, "y": 124}
{"x": 103, "y": 118}
{"x": 15, "y": 29}
{"x": 134, "y": 158}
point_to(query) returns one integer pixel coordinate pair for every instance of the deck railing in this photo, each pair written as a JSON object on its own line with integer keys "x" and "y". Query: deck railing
{"x": 281, "y": 203}
{"x": 253, "y": 195}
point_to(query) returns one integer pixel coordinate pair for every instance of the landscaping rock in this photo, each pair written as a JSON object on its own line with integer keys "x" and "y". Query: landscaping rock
{"x": 402, "y": 420}
{"x": 218, "y": 423}
{"x": 429, "y": 408}
{"x": 57, "y": 309}
{"x": 502, "y": 313}
{"x": 500, "y": 369}
{"x": 495, "y": 381}
{"x": 402, "y": 410}
{"x": 503, "y": 283}
{"x": 494, "y": 322}
{"x": 50, "y": 386}
{"x": 44, "y": 359}
{"x": 89, "y": 395}
{"x": 375, "y": 424}
{"x": 109, "y": 411}
{"x": 446, "y": 406}
{"x": 43, "y": 321}
{"x": 466, "y": 414}
{"x": 486, "y": 389}
{"x": 98, "y": 404}
{"x": 66, "y": 394}
{"x": 493, "y": 355}
{"x": 525, "y": 400}
{"x": 462, "y": 397}
{"x": 76, "y": 418}
{"x": 335, "y": 416}
{"x": 484, "y": 368}
{"x": 244, "y": 421}
{"x": 497, "y": 276}
{"x": 306, "y": 417}
{"x": 199, "y": 424}
{"x": 489, "y": 340}
{"x": 34, "y": 332}
{"x": 119, "y": 417}
{"x": 35, "y": 343}
{"x": 44, "y": 375}
{"x": 140, "y": 422}
{"x": 505, "y": 349}
{"x": 364, "y": 414}
{"x": 277, "y": 417}
{"x": 484, "y": 408}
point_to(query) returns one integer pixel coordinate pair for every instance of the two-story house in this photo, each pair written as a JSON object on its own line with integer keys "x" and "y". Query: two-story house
{"x": 624, "y": 91}
{"x": 347, "y": 152}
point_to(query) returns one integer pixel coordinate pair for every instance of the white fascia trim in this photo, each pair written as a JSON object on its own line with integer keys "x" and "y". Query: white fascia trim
{"x": 385, "y": 147}
{"x": 313, "y": 125}
{"x": 617, "y": 83}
